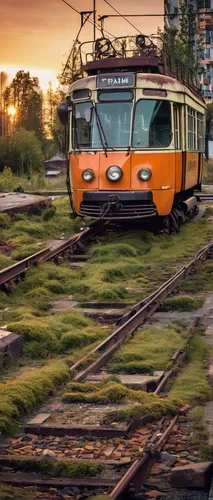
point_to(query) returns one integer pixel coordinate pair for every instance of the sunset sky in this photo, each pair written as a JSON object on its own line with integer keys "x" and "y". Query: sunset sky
{"x": 36, "y": 35}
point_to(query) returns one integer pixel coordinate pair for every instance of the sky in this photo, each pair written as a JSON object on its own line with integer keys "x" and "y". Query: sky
{"x": 36, "y": 35}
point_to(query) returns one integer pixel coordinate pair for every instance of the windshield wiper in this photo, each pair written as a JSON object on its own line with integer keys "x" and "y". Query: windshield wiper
{"x": 101, "y": 130}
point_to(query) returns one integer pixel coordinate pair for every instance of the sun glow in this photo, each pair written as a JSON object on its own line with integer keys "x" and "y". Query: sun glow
{"x": 11, "y": 111}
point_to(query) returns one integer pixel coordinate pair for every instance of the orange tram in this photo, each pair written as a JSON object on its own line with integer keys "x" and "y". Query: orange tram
{"x": 136, "y": 122}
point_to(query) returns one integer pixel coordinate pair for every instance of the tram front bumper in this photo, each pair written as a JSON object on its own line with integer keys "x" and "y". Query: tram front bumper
{"x": 118, "y": 205}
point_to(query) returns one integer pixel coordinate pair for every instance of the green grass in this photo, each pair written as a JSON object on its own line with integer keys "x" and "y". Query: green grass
{"x": 149, "y": 350}
{"x": 130, "y": 265}
{"x": 199, "y": 434}
{"x": 21, "y": 394}
{"x": 113, "y": 392}
{"x": 182, "y": 303}
{"x": 56, "y": 333}
{"x": 200, "y": 281}
{"x": 13, "y": 493}
{"x": 56, "y": 468}
{"x": 192, "y": 385}
{"x": 5, "y": 261}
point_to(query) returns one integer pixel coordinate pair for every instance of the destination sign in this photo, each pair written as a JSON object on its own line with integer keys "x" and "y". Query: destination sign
{"x": 114, "y": 80}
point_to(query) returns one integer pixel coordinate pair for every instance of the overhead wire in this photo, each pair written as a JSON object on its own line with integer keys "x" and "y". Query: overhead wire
{"x": 127, "y": 20}
{"x": 89, "y": 20}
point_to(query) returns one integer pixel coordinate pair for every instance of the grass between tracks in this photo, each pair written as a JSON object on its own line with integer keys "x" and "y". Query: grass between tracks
{"x": 120, "y": 266}
{"x": 55, "y": 468}
{"x": 19, "y": 395}
{"x": 150, "y": 350}
{"x": 11, "y": 493}
{"x": 25, "y": 233}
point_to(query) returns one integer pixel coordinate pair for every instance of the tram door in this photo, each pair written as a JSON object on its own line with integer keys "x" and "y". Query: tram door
{"x": 178, "y": 146}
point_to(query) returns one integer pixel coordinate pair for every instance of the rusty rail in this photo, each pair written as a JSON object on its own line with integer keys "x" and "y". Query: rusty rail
{"x": 139, "y": 470}
{"x": 137, "y": 316}
{"x": 71, "y": 244}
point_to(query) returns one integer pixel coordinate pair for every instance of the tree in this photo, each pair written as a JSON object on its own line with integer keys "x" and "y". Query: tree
{"x": 21, "y": 152}
{"x": 25, "y": 95}
{"x": 184, "y": 42}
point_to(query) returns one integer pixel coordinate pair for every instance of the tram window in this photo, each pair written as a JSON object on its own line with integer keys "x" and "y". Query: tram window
{"x": 115, "y": 96}
{"x": 177, "y": 126}
{"x": 152, "y": 124}
{"x": 200, "y": 132}
{"x": 81, "y": 94}
{"x": 81, "y": 124}
{"x": 111, "y": 120}
{"x": 192, "y": 142}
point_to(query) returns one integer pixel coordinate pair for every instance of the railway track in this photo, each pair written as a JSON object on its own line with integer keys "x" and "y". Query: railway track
{"x": 135, "y": 474}
{"x": 69, "y": 247}
{"x": 205, "y": 196}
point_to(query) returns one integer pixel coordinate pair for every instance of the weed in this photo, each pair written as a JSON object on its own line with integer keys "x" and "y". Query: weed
{"x": 21, "y": 394}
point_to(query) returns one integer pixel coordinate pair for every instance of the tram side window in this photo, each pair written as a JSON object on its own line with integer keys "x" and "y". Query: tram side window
{"x": 177, "y": 126}
{"x": 82, "y": 124}
{"x": 200, "y": 132}
{"x": 192, "y": 142}
{"x": 152, "y": 124}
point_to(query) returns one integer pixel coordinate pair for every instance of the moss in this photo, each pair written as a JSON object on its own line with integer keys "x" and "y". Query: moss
{"x": 20, "y": 395}
{"x": 182, "y": 303}
{"x": 62, "y": 468}
{"x": 192, "y": 385}
{"x": 149, "y": 350}
{"x": 112, "y": 393}
{"x": 155, "y": 407}
{"x": 23, "y": 252}
{"x": 71, "y": 340}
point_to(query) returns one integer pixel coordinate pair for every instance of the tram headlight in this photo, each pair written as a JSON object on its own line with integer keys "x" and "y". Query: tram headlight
{"x": 114, "y": 174}
{"x": 144, "y": 174}
{"x": 88, "y": 175}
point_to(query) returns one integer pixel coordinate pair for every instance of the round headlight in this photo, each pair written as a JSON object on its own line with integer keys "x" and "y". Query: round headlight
{"x": 144, "y": 174}
{"x": 88, "y": 175}
{"x": 114, "y": 174}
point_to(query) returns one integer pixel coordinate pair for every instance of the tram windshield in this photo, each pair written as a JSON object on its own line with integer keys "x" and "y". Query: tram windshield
{"x": 107, "y": 122}
{"x": 152, "y": 124}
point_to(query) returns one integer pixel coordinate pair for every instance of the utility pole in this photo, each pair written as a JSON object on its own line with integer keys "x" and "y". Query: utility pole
{"x": 94, "y": 19}
{"x": 2, "y": 111}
